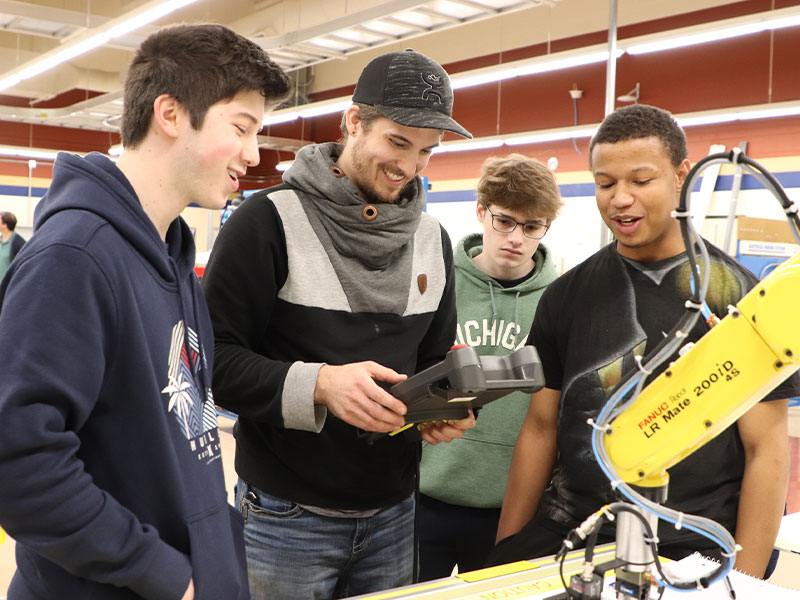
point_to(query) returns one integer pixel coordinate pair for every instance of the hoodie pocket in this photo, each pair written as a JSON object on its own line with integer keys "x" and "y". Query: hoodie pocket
{"x": 219, "y": 566}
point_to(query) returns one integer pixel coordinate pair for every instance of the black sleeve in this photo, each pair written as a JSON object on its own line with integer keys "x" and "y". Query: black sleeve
{"x": 544, "y": 338}
{"x": 441, "y": 334}
{"x": 247, "y": 267}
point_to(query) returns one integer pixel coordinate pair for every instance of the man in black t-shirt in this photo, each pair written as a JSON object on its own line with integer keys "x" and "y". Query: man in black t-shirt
{"x": 590, "y": 324}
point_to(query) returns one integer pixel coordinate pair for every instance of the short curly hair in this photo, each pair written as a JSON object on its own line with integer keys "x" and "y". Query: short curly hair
{"x": 519, "y": 183}
{"x": 642, "y": 121}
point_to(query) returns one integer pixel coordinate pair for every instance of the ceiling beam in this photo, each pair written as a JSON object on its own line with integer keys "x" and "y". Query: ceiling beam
{"x": 477, "y": 6}
{"x": 383, "y": 9}
{"x": 51, "y": 13}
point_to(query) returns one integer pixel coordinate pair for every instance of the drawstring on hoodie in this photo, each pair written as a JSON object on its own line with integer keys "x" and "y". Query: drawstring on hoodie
{"x": 202, "y": 367}
{"x": 494, "y": 306}
{"x": 491, "y": 298}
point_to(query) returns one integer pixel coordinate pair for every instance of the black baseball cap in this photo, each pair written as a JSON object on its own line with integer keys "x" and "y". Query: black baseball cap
{"x": 410, "y": 89}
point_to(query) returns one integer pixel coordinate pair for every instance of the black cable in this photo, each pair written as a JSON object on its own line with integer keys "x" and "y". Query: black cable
{"x": 567, "y": 589}
{"x": 591, "y": 541}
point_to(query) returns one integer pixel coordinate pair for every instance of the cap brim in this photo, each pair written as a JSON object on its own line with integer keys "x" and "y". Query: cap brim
{"x": 427, "y": 119}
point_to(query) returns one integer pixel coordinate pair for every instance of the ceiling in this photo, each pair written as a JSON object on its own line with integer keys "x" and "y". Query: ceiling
{"x": 323, "y": 44}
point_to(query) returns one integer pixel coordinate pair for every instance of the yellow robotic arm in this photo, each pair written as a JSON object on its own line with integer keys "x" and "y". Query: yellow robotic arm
{"x": 640, "y": 433}
{"x": 751, "y": 351}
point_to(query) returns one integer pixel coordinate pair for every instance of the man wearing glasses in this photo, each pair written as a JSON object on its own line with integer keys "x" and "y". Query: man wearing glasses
{"x": 500, "y": 276}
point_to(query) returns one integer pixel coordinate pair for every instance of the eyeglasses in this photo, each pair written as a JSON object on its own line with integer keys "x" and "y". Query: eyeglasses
{"x": 505, "y": 224}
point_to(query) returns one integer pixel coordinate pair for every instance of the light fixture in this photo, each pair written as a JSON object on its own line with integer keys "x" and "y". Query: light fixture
{"x": 632, "y": 96}
{"x": 326, "y": 107}
{"x": 280, "y": 117}
{"x": 18, "y": 152}
{"x": 552, "y": 135}
{"x": 710, "y": 32}
{"x": 314, "y": 109}
{"x": 283, "y": 165}
{"x": 529, "y": 66}
{"x": 459, "y": 146}
{"x": 92, "y": 39}
{"x": 744, "y": 113}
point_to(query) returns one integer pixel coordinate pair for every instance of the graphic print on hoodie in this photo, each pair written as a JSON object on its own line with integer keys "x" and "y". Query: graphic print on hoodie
{"x": 197, "y": 417}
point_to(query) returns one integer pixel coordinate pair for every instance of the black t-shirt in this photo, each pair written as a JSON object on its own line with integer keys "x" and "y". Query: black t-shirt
{"x": 589, "y": 325}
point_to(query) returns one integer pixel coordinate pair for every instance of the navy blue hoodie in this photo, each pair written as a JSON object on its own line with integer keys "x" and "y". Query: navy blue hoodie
{"x": 110, "y": 470}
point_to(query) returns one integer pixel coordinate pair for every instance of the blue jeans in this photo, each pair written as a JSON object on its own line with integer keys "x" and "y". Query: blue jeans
{"x": 293, "y": 553}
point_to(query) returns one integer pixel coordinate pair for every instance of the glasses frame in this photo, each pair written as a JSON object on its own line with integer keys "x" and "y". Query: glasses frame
{"x": 517, "y": 223}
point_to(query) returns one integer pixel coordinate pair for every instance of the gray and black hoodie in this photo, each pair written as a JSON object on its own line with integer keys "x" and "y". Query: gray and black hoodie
{"x": 305, "y": 274}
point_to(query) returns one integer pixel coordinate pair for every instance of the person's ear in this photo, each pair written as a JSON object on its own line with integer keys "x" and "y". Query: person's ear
{"x": 480, "y": 211}
{"x": 168, "y": 115}
{"x": 352, "y": 119}
{"x": 682, "y": 171}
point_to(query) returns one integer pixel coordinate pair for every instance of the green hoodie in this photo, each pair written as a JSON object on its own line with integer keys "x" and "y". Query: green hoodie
{"x": 472, "y": 471}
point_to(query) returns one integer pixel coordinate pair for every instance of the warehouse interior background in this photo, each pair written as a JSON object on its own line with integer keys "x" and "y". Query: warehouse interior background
{"x": 531, "y": 76}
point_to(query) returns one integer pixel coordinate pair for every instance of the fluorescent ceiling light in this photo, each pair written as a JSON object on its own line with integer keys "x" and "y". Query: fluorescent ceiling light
{"x": 529, "y": 66}
{"x": 326, "y": 107}
{"x": 567, "y": 62}
{"x": 283, "y": 165}
{"x": 711, "y": 32}
{"x": 459, "y": 83}
{"x": 307, "y": 111}
{"x": 480, "y": 144}
{"x": 146, "y": 14}
{"x": 554, "y": 135}
{"x": 17, "y": 152}
{"x": 280, "y": 117}
{"x": 746, "y": 113}
{"x": 91, "y": 39}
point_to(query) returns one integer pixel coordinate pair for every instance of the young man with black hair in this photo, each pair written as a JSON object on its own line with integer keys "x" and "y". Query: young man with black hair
{"x": 501, "y": 273}
{"x": 590, "y": 324}
{"x": 110, "y": 454}
{"x": 323, "y": 293}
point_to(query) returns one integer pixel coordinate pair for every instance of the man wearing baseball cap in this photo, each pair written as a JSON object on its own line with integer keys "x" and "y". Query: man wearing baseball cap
{"x": 324, "y": 292}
